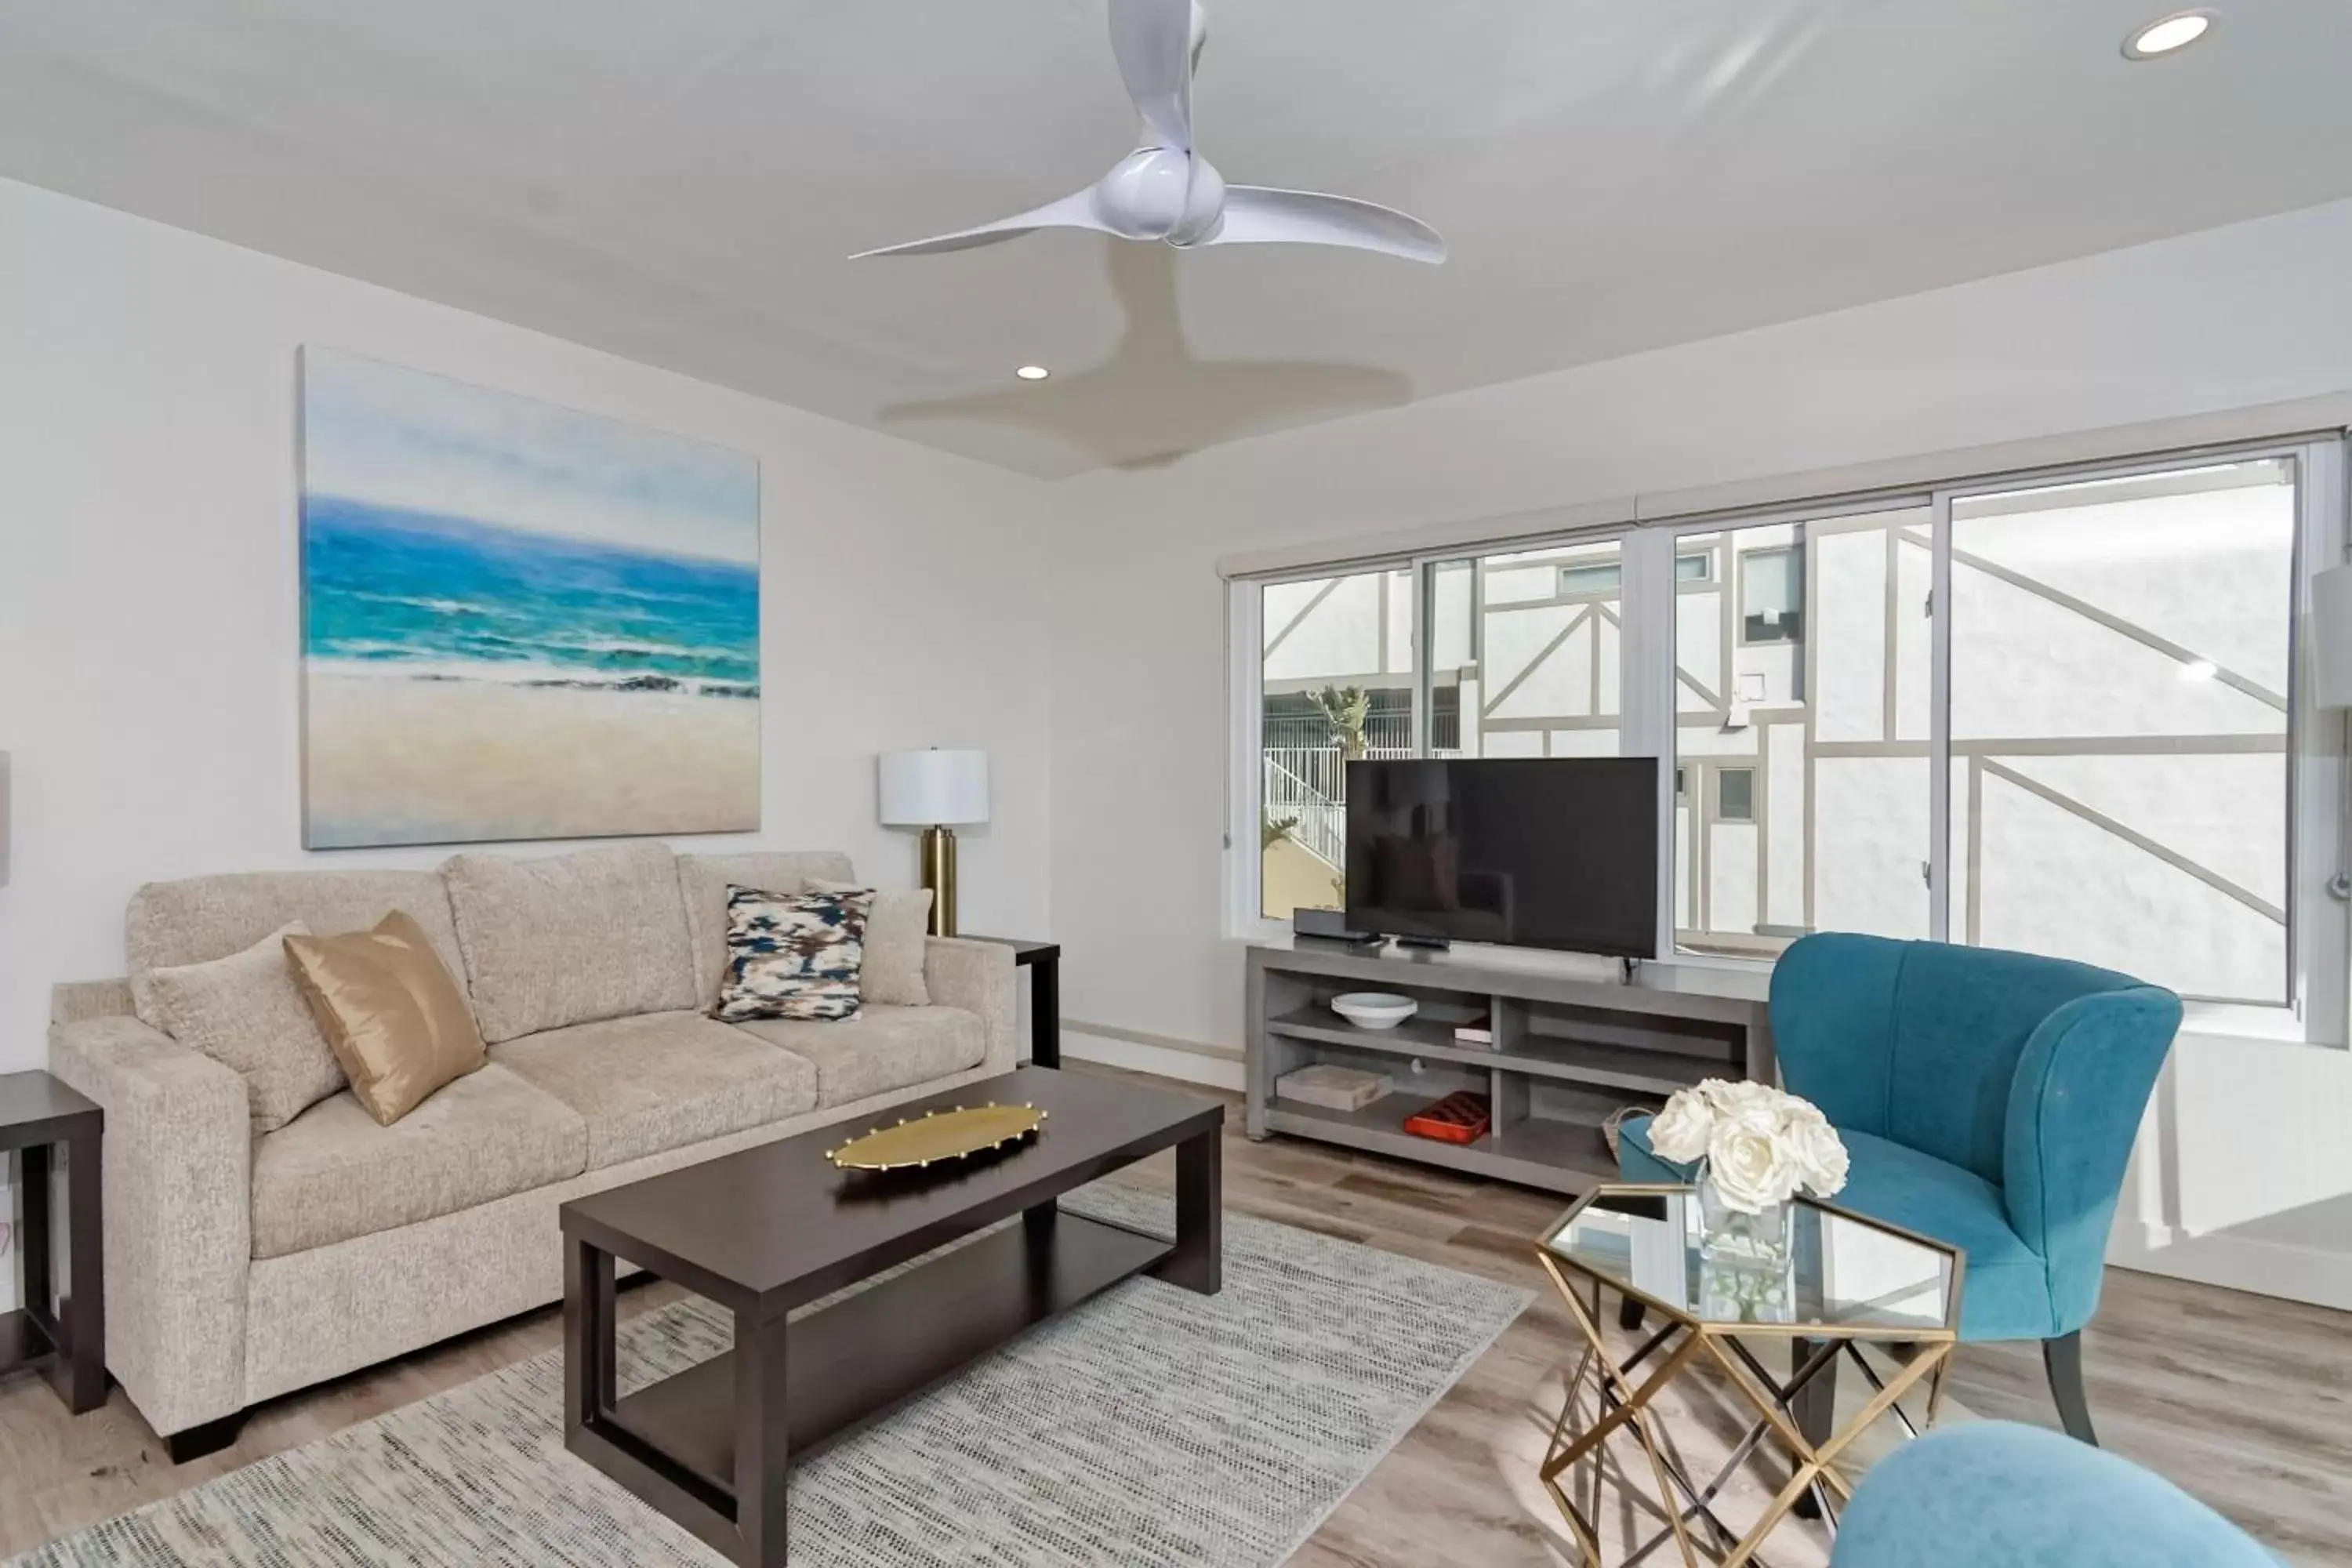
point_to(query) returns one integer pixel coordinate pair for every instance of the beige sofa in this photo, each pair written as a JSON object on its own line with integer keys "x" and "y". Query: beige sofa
{"x": 239, "y": 1269}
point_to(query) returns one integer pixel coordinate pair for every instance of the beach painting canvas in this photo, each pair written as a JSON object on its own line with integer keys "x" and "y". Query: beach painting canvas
{"x": 519, "y": 621}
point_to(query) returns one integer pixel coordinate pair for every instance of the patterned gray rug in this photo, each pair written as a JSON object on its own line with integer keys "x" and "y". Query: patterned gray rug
{"x": 1151, "y": 1427}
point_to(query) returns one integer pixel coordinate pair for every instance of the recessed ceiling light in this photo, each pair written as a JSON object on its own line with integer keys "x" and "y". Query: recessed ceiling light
{"x": 1032, "y": 373}
{"x": 2167, "y": 34}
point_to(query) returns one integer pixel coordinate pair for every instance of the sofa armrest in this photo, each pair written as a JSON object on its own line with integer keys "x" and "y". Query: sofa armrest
{"x": 178, "y": 1189}
{"x": 978, "y": 977}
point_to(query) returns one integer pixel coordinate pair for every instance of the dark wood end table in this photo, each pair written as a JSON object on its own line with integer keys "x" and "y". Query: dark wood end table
{"x": 43, "y": 1119}
{"x": 769, "y": 1229}
{"x": 1043, "y": 959}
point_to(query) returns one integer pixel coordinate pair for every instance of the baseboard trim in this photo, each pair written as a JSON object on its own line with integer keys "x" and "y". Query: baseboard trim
{"x": 1188, "y": 1063}
{"x": 1165, "y": 1042}
{"x": 2323, "y": 1278}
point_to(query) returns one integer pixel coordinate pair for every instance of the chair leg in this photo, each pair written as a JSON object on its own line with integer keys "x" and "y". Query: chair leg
{"x": 2062, "y": 1359}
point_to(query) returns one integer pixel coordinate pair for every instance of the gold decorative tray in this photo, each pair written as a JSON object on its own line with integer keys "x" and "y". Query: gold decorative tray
{"x": 937, "y": 1135}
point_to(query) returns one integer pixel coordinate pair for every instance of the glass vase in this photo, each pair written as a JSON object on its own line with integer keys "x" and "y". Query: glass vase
{"x": 1731, "y": 1237}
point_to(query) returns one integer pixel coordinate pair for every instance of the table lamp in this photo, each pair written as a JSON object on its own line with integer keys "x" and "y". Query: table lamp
{"x": 935, "y": 791}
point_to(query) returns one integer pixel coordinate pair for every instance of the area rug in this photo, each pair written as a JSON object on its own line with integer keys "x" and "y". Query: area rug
{"x": 1152, "y": 1426}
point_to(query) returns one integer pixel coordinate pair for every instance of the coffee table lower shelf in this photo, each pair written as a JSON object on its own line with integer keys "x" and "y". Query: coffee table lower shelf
{"x": 854, "y": 1360}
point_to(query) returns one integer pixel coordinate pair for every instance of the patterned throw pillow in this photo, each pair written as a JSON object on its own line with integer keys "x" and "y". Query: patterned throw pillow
{"x": 793, "y": 955}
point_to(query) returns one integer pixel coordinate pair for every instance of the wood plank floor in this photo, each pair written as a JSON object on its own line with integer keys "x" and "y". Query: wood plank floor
{"x": 2246, "y": 1402}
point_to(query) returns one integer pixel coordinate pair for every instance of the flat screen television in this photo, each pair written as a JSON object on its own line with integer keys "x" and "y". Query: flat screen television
{"x": 1556, "y": 852}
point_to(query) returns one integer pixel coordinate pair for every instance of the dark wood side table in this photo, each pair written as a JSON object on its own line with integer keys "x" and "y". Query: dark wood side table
{"x": 44, "y": 1119}
{"x": 1043, "y": 959}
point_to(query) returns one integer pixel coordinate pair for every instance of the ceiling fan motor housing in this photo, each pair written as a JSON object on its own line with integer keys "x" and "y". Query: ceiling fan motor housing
{"x": 1157, "y": 192}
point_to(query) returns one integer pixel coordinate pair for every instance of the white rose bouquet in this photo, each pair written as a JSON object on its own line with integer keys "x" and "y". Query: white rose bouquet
{"x": 1760, "y": 1145}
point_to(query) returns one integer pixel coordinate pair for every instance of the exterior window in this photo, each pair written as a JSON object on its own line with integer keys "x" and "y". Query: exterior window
{"x": 1772, "y": 596}
{"x": 1587, "y": 580}
{"x": 1697, "y": 568}
{"x": 1735, "y": 795}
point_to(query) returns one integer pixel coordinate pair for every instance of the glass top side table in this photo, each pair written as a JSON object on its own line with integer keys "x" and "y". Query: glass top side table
{"x": 1822, "y": 1278}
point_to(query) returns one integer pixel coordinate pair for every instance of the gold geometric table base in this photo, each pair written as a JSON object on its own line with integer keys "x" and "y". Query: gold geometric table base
{"x": 1621, "y": 1404}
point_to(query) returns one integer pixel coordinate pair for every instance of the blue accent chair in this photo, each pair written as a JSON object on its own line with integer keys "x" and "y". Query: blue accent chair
{"x": 1987, "y": 1099}
{"x": 1994, "y": 1494}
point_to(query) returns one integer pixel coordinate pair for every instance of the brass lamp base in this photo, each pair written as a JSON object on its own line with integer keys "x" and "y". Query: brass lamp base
{"x": 939, "y": 876}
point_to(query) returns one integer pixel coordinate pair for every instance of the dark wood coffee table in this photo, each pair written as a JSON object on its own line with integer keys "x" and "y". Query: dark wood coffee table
{"x": 772, "y": 1229}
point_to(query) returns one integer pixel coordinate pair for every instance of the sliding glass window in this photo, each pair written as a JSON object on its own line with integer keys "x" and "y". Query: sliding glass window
{"x": 2115, "y": 735}
{"x": 1338, "y": 680}
{"x": 2054, "y": 713}
{"x": 1802, "y": 676}
{"x": 2119, "y": 723}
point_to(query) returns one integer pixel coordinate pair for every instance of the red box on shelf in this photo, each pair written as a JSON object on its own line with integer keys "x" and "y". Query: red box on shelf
{"x": 1460, "y": 1117}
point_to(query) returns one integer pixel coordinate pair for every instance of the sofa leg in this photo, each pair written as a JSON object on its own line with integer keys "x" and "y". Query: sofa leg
{"x": 211, "y": 1437}
{"x": 2061, "y": 1358}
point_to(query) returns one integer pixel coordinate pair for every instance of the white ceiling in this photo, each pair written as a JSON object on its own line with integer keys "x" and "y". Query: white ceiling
{"x": 680, "y": 184}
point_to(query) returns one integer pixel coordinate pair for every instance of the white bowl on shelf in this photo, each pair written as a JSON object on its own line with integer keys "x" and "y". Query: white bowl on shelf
{"x": 1374, "y": 1009}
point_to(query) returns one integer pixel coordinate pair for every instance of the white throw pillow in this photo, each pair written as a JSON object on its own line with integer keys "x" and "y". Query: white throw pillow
{"x": 896, "y": 930}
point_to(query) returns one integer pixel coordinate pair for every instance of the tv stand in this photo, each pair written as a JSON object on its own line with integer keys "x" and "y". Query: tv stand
{"x": 1575, "y": 1040}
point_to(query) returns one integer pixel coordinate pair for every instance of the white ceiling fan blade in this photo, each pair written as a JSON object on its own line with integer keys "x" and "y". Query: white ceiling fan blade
{"x": 1153, "y": 41}
{"x": 1077, "y": 211}
{"x": 1256, "y": 215}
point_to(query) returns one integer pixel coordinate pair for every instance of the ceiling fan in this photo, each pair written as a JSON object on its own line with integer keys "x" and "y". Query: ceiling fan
{"x": 1165, "y": 190}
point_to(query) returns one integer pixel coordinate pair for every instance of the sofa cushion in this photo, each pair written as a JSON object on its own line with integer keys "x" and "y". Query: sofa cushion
{"x": 570, "y": 939}
{"x": 332, "y": 1174}
{"x": 881, "y": 1049}
{"x": 204, "y": 918}
{"x": 246, "y": 1012}
{"x": 703, "y": 882}
{"x": 661, "y": 1081}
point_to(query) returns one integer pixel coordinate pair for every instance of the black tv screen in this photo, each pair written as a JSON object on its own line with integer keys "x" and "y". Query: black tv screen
{"x": 1558, "y": 852}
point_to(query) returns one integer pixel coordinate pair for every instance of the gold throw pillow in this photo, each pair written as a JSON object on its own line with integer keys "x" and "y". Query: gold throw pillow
{"x": 392, "y": 1015}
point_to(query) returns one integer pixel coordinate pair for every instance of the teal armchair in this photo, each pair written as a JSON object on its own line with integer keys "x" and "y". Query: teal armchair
{"x": 1987, "y": 1099}
{"x": 1990, "y": 1494}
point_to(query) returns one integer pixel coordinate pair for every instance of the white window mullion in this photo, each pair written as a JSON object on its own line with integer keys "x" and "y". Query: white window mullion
{"x": 1939, "y": 721}
{"x": 1246, "y": 682}
{"x": 1424, "y": 645}
{"x": 1645, "y": 689}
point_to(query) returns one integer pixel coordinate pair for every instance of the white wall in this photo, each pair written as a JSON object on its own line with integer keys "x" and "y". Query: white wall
{"x": 149, "y": 631}
{"x": 2229, "y": 319}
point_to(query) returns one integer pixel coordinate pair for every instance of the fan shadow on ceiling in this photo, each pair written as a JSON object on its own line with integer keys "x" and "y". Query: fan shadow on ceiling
{"x": 1153, "y": 401}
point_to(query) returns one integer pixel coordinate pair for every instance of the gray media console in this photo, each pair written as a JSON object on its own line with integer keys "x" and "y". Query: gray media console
{"x": 1572, "y": 1043}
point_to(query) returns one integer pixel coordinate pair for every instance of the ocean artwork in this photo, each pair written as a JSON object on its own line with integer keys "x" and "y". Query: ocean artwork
{"x": 519, "y": 621}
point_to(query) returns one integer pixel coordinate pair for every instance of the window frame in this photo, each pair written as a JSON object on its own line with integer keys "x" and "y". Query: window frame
{"x": 2318, "y": 935}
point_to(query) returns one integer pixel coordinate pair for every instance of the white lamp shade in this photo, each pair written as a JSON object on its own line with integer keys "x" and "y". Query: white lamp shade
{"x": 921, "y": 789}
{"x": 2331, "y": 637}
